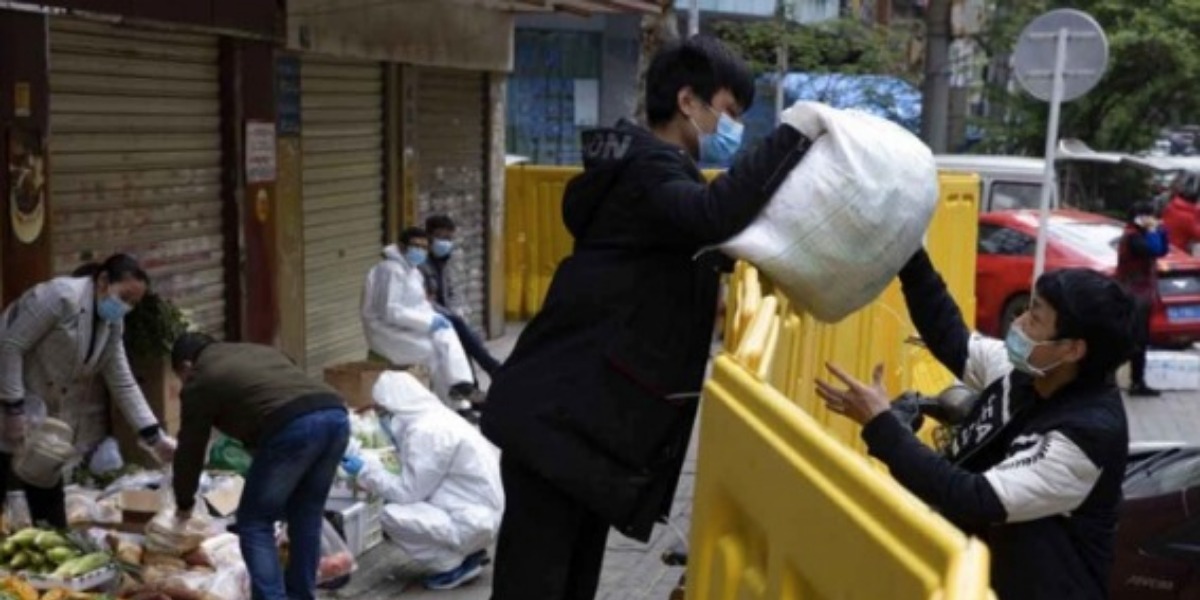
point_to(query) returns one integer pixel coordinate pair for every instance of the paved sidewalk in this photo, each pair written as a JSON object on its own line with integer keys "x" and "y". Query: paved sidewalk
{"x": 632, "y": 571}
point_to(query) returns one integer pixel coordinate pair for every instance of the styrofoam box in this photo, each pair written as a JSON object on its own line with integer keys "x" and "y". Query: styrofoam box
{"x": 361, "y": 523}
{"x": 1172, "y": 370}
{"x": 86, "y": 582}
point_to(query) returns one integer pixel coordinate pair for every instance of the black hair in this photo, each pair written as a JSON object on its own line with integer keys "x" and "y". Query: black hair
{"x": 1141, "y": 209}
{"x": 1092, "y": 307}
{"x": 702, "y": 63}
{"x": 118, "y": 267}
{"x": 187, "y": 347}
{"x": 437, "y": 222}
{"x": 1186, "y": 185}
{"x": 408, "y": 235}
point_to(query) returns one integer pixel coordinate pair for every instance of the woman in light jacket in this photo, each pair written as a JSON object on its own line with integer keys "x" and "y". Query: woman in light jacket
{"x": 54, "y": 340}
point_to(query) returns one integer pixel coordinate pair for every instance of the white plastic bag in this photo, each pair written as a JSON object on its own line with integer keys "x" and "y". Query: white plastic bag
{"x": 170, "y": 535}
{"x": 106, "y": 458}
{"x": 336, "y": 559}
{"x": 847, "y": 218}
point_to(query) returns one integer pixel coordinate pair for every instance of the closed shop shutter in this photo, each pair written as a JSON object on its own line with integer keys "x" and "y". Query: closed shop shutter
{"x": 452, "y": 171}
{"x": 342, "y": 134}
{"x": 135, "y": 155}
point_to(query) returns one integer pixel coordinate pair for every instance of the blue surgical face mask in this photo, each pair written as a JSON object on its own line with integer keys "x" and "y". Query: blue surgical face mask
{"x": 719, "y": 148}
{"x": 112, "y": 309}
{"x": 1020, "y": 347}
{"x": 416, "y": 256}
{"x": 441, "y": 248}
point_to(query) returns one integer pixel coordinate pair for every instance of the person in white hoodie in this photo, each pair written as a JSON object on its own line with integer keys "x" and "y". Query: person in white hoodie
{"x": 402, "y": 327}
{"x": 443, "y": 507}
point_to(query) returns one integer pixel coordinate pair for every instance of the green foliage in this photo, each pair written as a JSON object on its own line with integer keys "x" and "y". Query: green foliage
{"x": 841, "y": 46}
{"x": 1154, "y": 68}
{"x": 152, "y": 327}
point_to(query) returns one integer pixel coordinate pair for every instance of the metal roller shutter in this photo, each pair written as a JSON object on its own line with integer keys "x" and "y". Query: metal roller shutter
{"x": 452, "y": 169}
{"x": 342, "y": 134}
{"x": 135, "y": 151}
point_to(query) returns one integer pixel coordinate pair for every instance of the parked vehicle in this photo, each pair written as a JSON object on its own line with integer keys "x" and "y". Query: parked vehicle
{"x": 1004, "y": 270}
{"x": 1158, "y": 540}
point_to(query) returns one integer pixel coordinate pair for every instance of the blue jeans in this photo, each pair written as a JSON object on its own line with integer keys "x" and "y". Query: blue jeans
{"x": 471, "y": 343}
{"x": 289, "y": 480}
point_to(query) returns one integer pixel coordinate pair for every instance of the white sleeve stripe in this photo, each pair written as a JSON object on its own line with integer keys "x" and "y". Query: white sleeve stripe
{"x": 987, "y": 361}
{"x": 1051, "y": 476}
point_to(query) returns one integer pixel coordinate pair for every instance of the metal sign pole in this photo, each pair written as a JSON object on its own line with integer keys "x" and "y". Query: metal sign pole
{"x": 1048, "y": 176}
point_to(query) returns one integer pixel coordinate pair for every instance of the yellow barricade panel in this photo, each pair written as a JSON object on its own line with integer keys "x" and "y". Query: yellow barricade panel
{"x": 784, "y": 512}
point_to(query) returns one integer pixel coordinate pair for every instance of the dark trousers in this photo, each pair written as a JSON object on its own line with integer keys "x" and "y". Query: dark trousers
{"x": 1141, "y": 339}
{"x": 47, "y": 506}
{"x": 550, "y": 547}
{"x": 471, "y": 343}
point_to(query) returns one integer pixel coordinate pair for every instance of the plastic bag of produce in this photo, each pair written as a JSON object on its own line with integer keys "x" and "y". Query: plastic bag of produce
{"x": 846, "y": 218}
{"x": 171, "y": 535}
{"x": 106, "y": 458}
{"x": 16, "y": 512}
{"x": 336, "y": 559}
{"x": 231, "y": 582}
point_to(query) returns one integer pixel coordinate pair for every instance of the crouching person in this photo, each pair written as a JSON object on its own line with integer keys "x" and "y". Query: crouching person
{"x": 443, "y": 508}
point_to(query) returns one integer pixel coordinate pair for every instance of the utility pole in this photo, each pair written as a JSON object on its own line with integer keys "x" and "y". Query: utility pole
{"x": 935, "y": 90}
{"x": 782, "y": 16}
{"x": 657, "y": 30}
{"x": 694, "y": 18}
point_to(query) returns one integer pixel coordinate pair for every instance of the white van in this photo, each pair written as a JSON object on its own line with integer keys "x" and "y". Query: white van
{"x": 1007, "y": 182}
{"x": 1015, "y": 182}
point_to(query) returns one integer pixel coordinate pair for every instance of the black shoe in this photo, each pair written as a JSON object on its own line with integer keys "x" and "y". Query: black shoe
{"x": 469, "y": 393}
{"x": 1141, "y": 390}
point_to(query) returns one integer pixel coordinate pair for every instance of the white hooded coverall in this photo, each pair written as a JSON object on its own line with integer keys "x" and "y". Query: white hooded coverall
{"x": 396, "y": 317}
{"x": 447, "y": 500}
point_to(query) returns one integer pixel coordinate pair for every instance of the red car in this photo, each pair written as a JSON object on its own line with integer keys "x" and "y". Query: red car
{"x": 1004, "y": 271}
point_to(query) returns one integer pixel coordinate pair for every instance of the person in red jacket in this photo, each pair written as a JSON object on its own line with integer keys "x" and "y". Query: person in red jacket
{"x": 1179, "y": 216}
{"x": 1143, "y": 243}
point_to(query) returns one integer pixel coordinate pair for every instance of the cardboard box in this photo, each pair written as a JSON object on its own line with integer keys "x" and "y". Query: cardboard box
{"x": 355, "y": 380}
{"x": 139, "y": 506}
{"x": 1172, "y": 371}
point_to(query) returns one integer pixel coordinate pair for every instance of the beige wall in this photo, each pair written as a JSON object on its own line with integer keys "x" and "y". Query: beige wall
{"x": 433, "y": 33}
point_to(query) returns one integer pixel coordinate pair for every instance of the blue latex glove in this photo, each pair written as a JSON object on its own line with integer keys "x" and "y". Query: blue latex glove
{"x": 353, "y": 465}
{"x": 439, "y": 323}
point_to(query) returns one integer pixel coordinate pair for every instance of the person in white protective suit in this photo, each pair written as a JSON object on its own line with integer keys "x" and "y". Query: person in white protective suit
{"x": 402, "y": 327}
{"x": 443, "y": 507}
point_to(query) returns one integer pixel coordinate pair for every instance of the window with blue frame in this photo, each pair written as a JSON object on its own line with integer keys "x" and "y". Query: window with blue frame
{"x": 553, "y": 94}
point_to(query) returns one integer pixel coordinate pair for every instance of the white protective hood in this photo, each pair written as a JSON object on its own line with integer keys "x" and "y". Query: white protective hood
{"x": 447, "y": 500}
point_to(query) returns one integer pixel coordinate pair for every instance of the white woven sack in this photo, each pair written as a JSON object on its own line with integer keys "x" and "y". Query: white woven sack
{"x": 847, "y": 217}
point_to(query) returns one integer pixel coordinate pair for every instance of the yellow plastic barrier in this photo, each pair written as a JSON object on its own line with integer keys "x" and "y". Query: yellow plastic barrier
{"x": 787, "y": 506}
{"x": 784, "y": 512}
{"x": 534, "y": 235}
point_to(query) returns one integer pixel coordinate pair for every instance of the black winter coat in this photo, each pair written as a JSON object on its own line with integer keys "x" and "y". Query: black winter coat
{"x": 600, "y": 394}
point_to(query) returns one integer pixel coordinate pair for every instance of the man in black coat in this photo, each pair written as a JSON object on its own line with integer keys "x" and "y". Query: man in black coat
{"x": 594, "y": 409}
